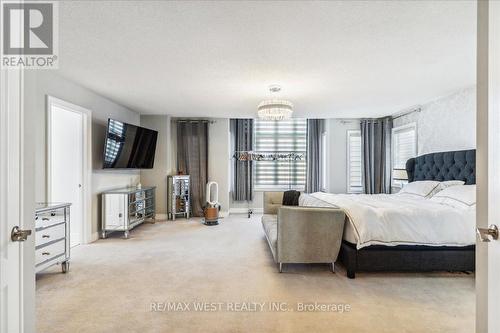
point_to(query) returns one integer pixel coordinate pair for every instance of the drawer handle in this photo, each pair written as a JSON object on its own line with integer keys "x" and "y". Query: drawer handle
{"x": 45, "y": 236}
{"x": 45, "y": 253}
{"x": 45, "y": 219}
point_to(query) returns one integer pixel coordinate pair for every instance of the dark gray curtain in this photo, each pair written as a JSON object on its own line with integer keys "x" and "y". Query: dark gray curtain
{"x": 192, "y": 159}
{"x": 376, "y": 155}
{"x": 242, "y": 178}
{"x": 314, "y": 156}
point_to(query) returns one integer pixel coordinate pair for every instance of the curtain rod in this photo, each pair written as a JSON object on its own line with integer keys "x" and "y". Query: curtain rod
{"x": 348, "y": 120}
{"x": 394, "y": 116}
{"x": 195, "y": 121}
{"x": 405, "y": 113}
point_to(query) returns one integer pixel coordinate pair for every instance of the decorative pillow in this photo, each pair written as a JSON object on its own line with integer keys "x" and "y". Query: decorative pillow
{"x": 446, "y": 184}
{"x": 422, "y": 188}
{"x": 457, "y": 196}
{"x": 449, "y": 183}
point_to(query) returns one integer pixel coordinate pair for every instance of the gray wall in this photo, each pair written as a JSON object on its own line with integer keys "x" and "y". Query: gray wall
{"x": 163, "y": 160}
{"x": 448, "y": 123}
{"x": 219, "y": 159}
{"x": 39, "y": 84}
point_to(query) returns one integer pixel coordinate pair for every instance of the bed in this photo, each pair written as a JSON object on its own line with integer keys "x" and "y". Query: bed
{"x": 428, "y": 236}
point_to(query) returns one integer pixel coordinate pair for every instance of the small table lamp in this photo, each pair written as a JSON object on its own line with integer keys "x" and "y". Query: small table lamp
{"x": 400, "y": 174}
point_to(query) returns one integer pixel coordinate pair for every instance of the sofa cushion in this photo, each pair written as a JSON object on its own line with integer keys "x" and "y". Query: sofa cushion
{"x": 269, "y": 218}
{"x": 270, "y": 225}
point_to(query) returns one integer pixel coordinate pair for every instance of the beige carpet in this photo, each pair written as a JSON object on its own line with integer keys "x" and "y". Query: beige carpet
{"x": 113, "y": 283}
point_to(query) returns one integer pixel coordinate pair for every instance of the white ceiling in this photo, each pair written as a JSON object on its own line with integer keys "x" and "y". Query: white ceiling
{"x": 333, "y": 59}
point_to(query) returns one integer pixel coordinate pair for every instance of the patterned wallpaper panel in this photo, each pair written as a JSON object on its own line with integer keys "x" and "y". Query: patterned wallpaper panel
{"x": 448, "y": 123}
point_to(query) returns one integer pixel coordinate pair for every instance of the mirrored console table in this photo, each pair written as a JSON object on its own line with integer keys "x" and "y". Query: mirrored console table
{"x": 124, "y": 209}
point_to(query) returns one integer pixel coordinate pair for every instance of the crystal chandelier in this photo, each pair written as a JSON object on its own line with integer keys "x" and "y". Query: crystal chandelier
{"x": 275, "y": 109}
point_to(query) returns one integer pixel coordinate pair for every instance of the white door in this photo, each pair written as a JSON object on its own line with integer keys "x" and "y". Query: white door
{"x": 66, "y": 169}
{"x": 17, "y": 275}
{"x": 488, "y": 166}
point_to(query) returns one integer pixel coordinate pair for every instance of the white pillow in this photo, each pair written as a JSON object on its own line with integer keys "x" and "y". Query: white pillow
{"x": 446, "y": 184}
{"x": 457, "y": 196}
{"x": 421, "y": 188}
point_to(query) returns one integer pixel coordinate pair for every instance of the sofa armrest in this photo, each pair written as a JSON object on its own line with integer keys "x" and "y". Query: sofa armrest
{"x": 309, "y": 234}
{"x": 272, "y": 202}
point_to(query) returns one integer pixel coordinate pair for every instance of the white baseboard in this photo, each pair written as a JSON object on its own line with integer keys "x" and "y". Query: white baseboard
{"x": 245, "y": 210}
{"x": 94, "y": 237}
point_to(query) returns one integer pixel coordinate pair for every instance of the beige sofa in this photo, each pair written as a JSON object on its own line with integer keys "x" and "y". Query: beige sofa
{"x": 301, "y": 234}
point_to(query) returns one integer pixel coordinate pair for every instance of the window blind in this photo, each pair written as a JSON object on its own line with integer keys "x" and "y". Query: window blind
{"x": 280, "y": 136}
{"x": 404, "y": 143}
{"x": 354, "y": 172}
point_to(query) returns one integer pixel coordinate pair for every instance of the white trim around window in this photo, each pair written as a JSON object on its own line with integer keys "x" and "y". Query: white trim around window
{"x": 404, "y": 146}
{"x": 354, "y": 171}
{"x": 324, "y": 162}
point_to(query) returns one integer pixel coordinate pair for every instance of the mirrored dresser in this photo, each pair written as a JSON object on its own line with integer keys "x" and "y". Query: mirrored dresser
{"x": 52, "y": 245}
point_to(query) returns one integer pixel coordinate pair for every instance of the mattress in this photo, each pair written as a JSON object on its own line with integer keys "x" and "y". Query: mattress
{"x": 311, "y": 201}
{"x": 397, "y": 219}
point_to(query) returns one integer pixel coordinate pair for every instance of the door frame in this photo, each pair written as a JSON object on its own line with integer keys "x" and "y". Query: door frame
{"x": 86, "y": 232}
{"x": 488, "y": 163}
{"x": 17, "y": 259}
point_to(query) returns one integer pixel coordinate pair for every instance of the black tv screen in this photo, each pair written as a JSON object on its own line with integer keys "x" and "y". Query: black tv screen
{"x": 128, "y": 146}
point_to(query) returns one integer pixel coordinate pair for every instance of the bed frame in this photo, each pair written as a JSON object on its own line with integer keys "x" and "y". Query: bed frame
{"x": 452, "y": 165}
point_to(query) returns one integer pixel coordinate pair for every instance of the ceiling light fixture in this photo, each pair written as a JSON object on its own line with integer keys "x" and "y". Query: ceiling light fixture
{"x": 275, "y": 109}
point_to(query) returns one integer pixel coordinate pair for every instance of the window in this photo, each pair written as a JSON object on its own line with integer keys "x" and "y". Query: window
{"x": 354, "y": 176}
{"x": 280, "y": 136}
{"x": 324, "y": 163}
{"x": 404, "y": 147}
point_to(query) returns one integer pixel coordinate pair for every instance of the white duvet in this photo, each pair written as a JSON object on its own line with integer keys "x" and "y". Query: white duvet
{"x": 400, "y": 219}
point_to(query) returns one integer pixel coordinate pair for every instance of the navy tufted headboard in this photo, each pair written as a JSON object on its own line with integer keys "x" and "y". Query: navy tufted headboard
{"x": 449, "y": 165}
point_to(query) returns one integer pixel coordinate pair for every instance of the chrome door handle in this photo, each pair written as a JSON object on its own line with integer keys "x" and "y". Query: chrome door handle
{"x": 485, "y": 233}
{"x": 18, "y": 235}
